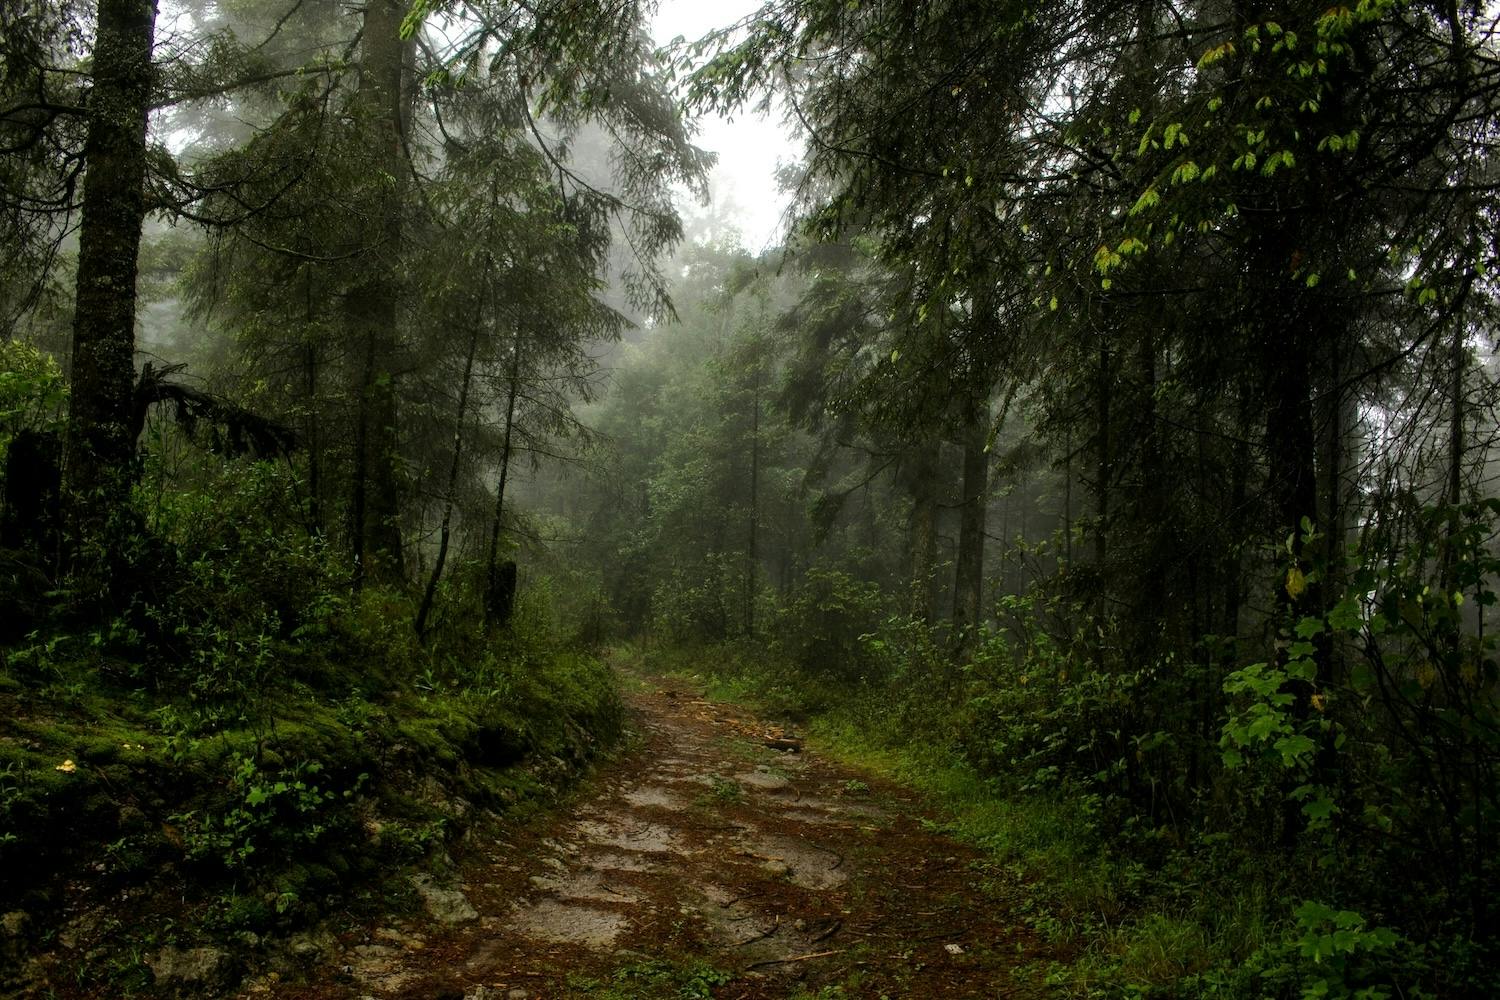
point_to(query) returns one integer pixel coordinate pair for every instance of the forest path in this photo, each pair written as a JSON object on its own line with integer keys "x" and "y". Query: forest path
{"x": 702, "y": 863}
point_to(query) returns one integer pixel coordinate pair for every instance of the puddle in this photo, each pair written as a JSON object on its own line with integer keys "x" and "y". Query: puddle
{"x": 845, "y": 807}
{"x": 631, "y": 835}
{"x": 565, "y": 923}
{"x": 811, "y": 816}
{"x": 747, "y": 935}
{"x": 591, "y": 885}
{"x": 689, "y": 779}
{"x": 654, "y": 796}
{"x": 764, "y": 781}
{"x": 611, "y": 862}
{"x": 805, "y": 864}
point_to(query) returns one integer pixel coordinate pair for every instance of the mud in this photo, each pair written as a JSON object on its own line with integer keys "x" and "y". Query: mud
{"x": 786, "y": 872}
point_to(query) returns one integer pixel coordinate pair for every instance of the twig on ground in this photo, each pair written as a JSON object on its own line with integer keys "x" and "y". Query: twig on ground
{"x": 796, "y": 958}
{"x": 775, "y": 926}
{"x": 833, "y": 929}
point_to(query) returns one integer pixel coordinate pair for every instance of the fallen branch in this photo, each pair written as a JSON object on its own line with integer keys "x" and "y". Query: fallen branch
{"x": 833, "y": 929}
{"x": 797, "y": 958}
{"x": 776, "y": 926}
{"x": 234, "y": 430}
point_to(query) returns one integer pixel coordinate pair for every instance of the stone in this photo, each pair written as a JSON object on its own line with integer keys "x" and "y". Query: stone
{"x": 483, "y": 993}
{"x": 448, "y": 906}
{"x": 81, "y": 931}
{"x": 15, "y": 924}
{"x": 764, "y": 780}
{"x": 132, "y": 818}
{"x": 408, "y": 941}
{"x": 186, "y": 965}
{"x": 564, "y": 923}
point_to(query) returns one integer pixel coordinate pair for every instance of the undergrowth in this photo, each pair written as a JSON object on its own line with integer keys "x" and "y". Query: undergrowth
{"x": 1169, "y": 858}
{"x": 247, "y": 747}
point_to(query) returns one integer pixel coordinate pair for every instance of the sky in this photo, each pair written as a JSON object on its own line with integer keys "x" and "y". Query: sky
{"x": 749, "y": 147}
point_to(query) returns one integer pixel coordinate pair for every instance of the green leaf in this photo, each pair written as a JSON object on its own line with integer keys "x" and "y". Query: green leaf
{"x": 1294, "y": 748}
{"x": 1320, "y": 809}
{"x": 1148, "y": 199}
{"x": 1309, "y": 628}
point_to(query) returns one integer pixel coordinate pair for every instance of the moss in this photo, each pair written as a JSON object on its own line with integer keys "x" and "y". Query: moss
{"x": 157, "y": 794}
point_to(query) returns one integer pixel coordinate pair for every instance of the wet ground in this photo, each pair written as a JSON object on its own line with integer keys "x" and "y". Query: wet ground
{"x": 704, "y": 862}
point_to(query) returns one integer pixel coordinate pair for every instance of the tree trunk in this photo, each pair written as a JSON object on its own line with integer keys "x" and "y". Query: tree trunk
{"x": 373, "y": 307}
{"x": 1153, "y": 522}
{"x": 968, "y": 584}
{"x": 314, "y": 434}
{"x": 445, "y": 530}
{"x": 500, "y": 587}
{"x": 1068, "y": 500}
{"x": 753, "y": 554}
{"x": 1105, "y": 468}
{"x": 100, "y": 451}
{"x": 1459, "y": 361}
{"x": 924, "y": 532}
{"x": 1291, "y": 446}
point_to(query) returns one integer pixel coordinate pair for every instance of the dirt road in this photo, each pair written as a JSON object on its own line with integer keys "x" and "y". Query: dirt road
{"x": 704, "y": 864}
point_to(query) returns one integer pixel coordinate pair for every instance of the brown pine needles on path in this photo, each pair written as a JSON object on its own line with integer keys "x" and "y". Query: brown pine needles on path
{"x": 704, "y": 863}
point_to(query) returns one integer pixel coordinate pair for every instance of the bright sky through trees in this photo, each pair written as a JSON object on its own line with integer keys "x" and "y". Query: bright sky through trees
{"x": 749, "y": 145}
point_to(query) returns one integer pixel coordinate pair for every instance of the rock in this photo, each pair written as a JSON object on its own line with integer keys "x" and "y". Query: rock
{"x": 447, "y": 906}
{"x": 15, "y": 927}
{"x": 304, "y": 947}
{"x": 517, "y": 994}
{"x": 81, "y": 931}
{"x": 433, "y": 793}
{"x": 187, "y": 965}
{"x": 408, "y": 941}
{"x": 15, "y": 924}
{"x": 764, "y": 780}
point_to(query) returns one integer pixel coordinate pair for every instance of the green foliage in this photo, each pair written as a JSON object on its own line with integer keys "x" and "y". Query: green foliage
{"x": 821, "y": 623}
{"x": 726, "y": 791}
{"x": 276, "y": 815}
{"x": 1365, "y": 739}
{"x": 33, "y": 393}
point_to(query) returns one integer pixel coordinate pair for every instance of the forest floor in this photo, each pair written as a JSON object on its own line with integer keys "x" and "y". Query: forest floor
{"x": 703, "y": 863}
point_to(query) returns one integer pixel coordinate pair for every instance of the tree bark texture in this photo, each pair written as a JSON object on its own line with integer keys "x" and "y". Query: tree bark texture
{"x": 968, "y": 590}
{"x": 501, "y": 583}
{"x": 923, "y": 527}
{"x": 445, "y": 531}
{"x": 373, "y": 307}
{"x": 100, "y": 447}
{"x": 752, "y": 555}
